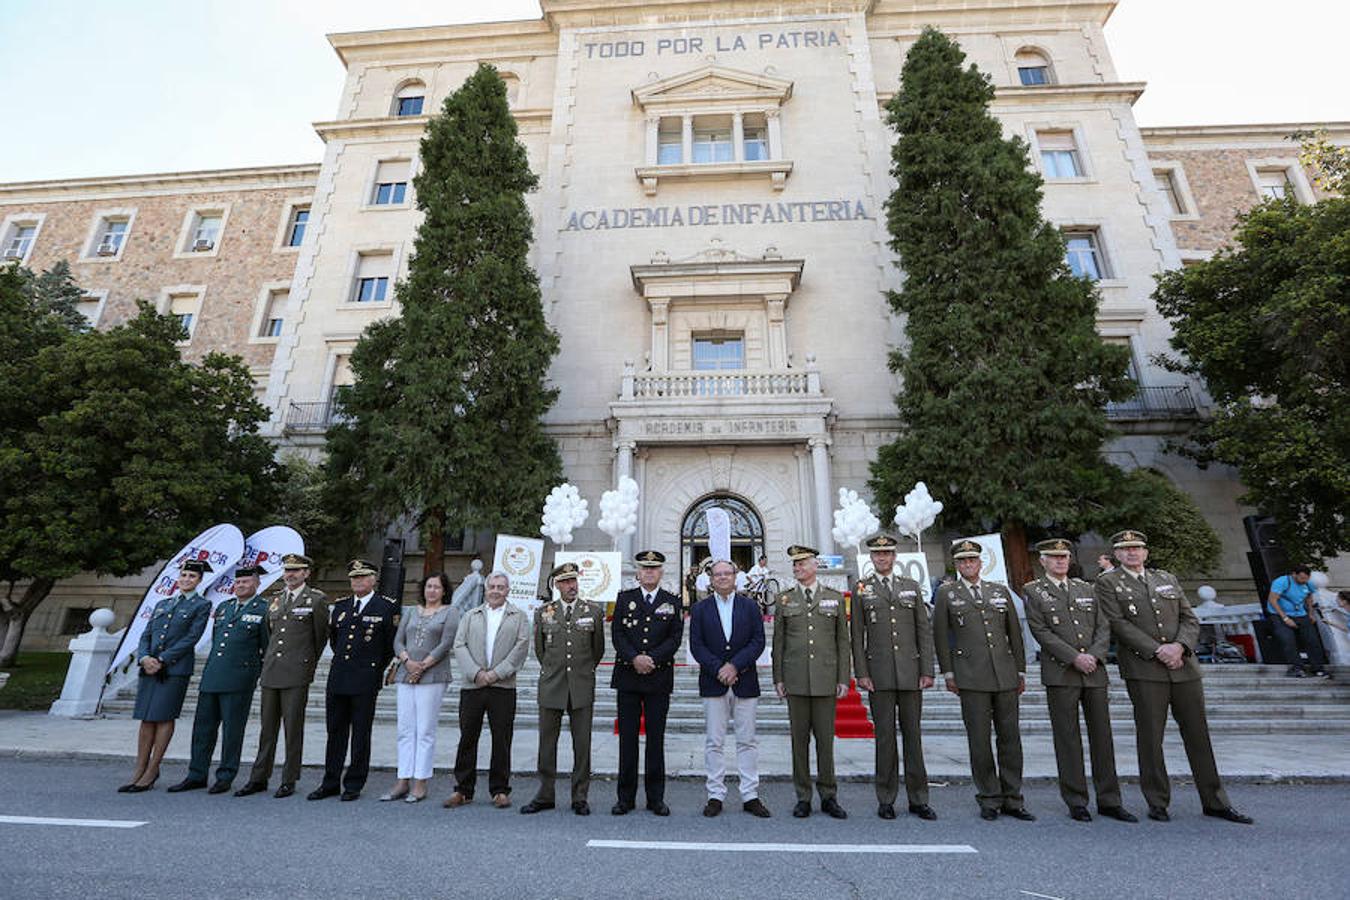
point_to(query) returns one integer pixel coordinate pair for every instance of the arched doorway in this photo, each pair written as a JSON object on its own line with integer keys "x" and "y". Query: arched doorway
{"x": 747, "y": 532}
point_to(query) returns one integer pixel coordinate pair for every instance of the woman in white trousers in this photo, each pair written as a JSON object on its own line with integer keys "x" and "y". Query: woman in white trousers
{"x": 422, "y": 648}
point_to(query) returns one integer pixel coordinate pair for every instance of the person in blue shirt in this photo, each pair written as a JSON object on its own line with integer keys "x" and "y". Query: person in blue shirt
{"x": 1294, "y": 620}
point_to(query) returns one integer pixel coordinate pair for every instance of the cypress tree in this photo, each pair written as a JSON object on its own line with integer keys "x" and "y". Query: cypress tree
{"x": 1005, "y": 379}
{"x": 444, "y": 420}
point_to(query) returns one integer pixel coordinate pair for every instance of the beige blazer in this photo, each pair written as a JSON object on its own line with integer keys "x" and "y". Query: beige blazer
{"x": 509, "y": 650}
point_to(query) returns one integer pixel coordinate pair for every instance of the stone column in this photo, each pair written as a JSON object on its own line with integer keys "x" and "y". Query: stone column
{"x": 653, "y": 139}
{"x": 738, "y": 136}
{"x": 775, "y": 134}
{"x": 687, "y": 139}
{"x": 660, "y": 307}
{"x": 820, "y": 470}
{"x": 775, "y": 307}
{"x": 623, "y": 468}
{"x": 90, "y": 655}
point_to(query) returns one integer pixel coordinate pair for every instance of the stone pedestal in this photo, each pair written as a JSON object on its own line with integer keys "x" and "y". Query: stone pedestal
{"x": 90, "y": 655}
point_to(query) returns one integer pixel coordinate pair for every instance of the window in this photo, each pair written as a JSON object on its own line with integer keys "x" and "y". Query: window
{"x": 271, "y": 317}
{"x": 206, "y": 232}
{"x": 183, "y": 307}
{"x": 19, "y": 241}
{"x": 391, "y": 183}
{"x": 669, "y": 143}
{"x": 91, "y": 307}
{"x": 409, "y": 98}
{"x": 1084, "y": 256}
{"x": 1059, "y": 154}
{"x": 410, "y": 106}
{"x": 372, "y": 278}
{"x": 1167, "y": 184}
{"x": 711, "y": 353}
{"x": 75, "y": 619}
{"x": 295, "y": 231}
{"x": 756, "y": 138}
{"x": 1274, "y": 184}
{"x": 1033, "y": 69}
{"x": 1122, "y": 340}
{"x": 112, "y": 234}
{"x": 712, "y": 140}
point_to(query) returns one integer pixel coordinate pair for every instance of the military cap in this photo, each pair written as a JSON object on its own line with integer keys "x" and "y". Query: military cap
{"x": 200, "y": 566}
{"x": 1128, "y": 538}
{"x": 650, "y": 559}
{"x": 359, "y": 567}
{"x": 242, "y": 571}
{"x": 1054, "y": 547}
{"x": 296, "y": 561}
{"x": 798, "y": 551}
{"x": 881, "y": 541}
{"x": 564, "y": 571}
{"x": 965, "y": 549}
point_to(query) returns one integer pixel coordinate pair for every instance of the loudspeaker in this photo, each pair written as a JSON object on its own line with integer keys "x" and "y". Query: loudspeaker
{"x": 1266, "y": 643}
{"x": 391, "y": 570}
{"x": 1267, "y": 558}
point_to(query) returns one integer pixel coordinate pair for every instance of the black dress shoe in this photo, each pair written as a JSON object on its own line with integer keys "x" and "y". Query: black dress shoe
{"x": 713, "y": 808}
{"x": 219, "y": 787}
{"x": 322, "y": 793}
{"x": 535, "y": 806}
{"x": 1229, "y": 814}
{"x": 127, "y": 788}
{"x": 581, "y": 808}
{"x": 658, "y": 808}
{"x": 286, "y": 789}
{"x": 349, "y": 796}
{"x": 832, "y": 809}
{"x": 886, "y": 810}
{"x": 1119, "y": 813}
{"x": 1080, "y": 814}
{"x": 134, "y": 788}
{"x": 187, "y": 784}
{"x": 988, "y": 814}
{"x": 1159, "y": 814}
{"x": 756, "y": 808}
{"x": 801, "y": 810}
{"x": 253, "y": 787}
{"x": 620, "y": 809}
{"x": 923, "y": 811}
{"x": 1018, "y": 813}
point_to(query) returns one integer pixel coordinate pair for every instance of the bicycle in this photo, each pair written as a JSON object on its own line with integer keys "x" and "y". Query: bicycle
{"x": 765, "y": 592}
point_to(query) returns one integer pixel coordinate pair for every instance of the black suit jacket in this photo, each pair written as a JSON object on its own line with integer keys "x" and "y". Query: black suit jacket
{"x": 656, "y": 630}
{"x": 712, "y": 649}
{"x": 362, "y": 645}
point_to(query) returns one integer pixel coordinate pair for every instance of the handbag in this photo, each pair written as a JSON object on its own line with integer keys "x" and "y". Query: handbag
{"x": 391, "y": 673}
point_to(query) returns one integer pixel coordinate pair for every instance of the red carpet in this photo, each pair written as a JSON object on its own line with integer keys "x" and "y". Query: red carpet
{"x": 850, "y": 716}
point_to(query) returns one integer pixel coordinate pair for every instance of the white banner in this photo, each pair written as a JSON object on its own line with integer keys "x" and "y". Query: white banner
{"x": 601, "y": 573}
{"x": 993, "y": 568}
{"x": 262, "y": 548}
{"x": 521, "y": 559}
{"x": 907, "y": 565}
{"x": 219, "y": 546}
{"x": 719, "y": 533}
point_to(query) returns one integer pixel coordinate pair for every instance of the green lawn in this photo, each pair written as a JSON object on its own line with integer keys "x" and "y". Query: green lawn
{"x": 35, "y": 682}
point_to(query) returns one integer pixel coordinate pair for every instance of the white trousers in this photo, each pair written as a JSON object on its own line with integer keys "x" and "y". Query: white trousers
{"x": 718, "y": 713}
{"x": 419, "y": 706}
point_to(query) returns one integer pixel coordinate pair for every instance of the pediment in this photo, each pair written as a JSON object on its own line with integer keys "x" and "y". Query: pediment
{"x": 713, "y": 83}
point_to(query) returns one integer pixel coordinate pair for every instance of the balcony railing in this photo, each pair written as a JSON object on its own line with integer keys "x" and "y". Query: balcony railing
{"x": 1165, "y": 402}
{"x": 311, "y": 418}
{"x": 733, "y": 383}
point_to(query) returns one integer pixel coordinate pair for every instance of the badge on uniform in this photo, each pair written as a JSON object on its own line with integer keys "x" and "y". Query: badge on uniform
{"x": 371, "y": 619}
{"x": 1133, "y": 610}
{"x": 957, "y": 601}
{"x": 829, "y": 603}
{"x": 1000, "y": 603}
{"x": 1054, "y": 620}
{"x": 586, "y": 624}
{"x": 909, "y": 593}
{"x": 547, "y": 614}
{"x": 1084, "y": 603}
{"x": 665, "y": 609}
{"x": 252, "y": 618}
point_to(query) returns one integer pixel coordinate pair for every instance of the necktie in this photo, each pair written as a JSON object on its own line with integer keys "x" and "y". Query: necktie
{"x": 647, "y": 598}
{"x": 808, "y": 596}
{"x": 975, "y": 589}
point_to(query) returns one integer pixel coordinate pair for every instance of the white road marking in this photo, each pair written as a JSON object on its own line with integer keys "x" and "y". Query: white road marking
{"x": 782, "y": 848}
{"x": 1045, "y": 896}
{"x": 77, "y": 823}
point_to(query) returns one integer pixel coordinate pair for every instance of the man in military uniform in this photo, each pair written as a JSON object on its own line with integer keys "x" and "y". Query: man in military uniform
{"x": 1156, "y": 634}
{"x": 647, "y": 630}
{"x": 893, "y": 662}
{"x": 979, "y": 647}
{"x": 238, "y": 641}
{"x": 297, "y": 616}
{"x": 1074, "y": 634}
{"x": 362, "y": 636}
{"x": 811, "y": 669}
{"x": 569, "y": 640}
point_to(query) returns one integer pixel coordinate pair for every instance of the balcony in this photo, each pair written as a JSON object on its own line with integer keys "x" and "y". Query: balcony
{"x": 1170, "y": 403}
{"x": 311, "y": 418}
{"x": 734, "y": 383}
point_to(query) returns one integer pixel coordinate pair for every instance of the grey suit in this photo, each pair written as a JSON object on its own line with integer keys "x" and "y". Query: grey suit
{"x": 510, "y": 647}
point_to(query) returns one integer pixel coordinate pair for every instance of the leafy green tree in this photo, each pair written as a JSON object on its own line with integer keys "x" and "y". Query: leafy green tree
{"x": 443, "y": 423}
{"x": 118, "y": 451}
{"x": 1005, "y": 379}
{"x": 1264, "y": 323}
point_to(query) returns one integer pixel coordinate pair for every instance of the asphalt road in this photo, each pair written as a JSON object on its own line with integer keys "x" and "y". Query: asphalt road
{"x": 196, "y": 845}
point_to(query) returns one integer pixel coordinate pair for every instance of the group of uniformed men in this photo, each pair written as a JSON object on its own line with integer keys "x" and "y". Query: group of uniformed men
{"x": 889, "y": 644}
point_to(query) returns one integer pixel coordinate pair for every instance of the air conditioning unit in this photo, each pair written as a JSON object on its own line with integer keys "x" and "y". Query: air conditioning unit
{"x": 202, "y": 244}
{"x": 107, "y": 248}
{"x": 13, "y": 253}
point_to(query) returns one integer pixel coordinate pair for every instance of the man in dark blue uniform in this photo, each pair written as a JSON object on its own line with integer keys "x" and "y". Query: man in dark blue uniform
{"x": 238, "y": 640}
{"x": 362, "y": 638}
{"x": 647, "y": 629}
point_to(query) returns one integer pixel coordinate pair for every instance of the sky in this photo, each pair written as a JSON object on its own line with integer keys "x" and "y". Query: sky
{"x": 112, "y": 87}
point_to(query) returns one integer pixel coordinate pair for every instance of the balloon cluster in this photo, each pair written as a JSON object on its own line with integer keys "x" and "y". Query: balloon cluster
{"x": 564, "y": 510}
{"x": 918, "y": 512}
{"x": 1326, "y": 598}
{"x": 853, "y": 520}
{"x": 618, "y": 509}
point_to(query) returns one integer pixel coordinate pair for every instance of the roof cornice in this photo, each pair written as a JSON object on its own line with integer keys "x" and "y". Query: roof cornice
{"x": 253, "y": 178}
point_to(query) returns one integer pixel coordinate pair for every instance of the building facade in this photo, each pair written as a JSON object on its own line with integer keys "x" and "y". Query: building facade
{"x": 709, "y": 236}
